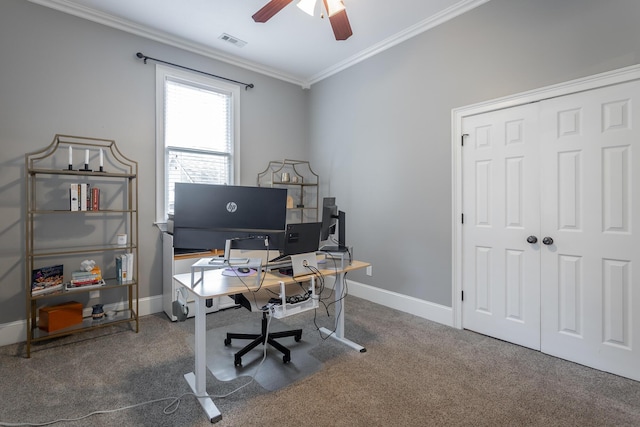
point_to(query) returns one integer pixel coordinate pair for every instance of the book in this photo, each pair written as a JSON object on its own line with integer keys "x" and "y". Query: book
{"x": 121, "y": 273}
{"x": 124, "y": 268}
{"x": 119, "y": 268}
{"x": 75, "y": 287}
{"x": 95, "y": 199}
{"x": 125, "y": 265}
{"x": 83, "y": 196}
{"x": 83, "y": 278}
{"x": 46, "y": 280}
{"x": 129, "y": 256}
{"x": 73, "y": 197}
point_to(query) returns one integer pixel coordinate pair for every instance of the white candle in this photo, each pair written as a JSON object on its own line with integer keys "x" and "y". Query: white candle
{"x": 86, "y": 156}
{"x": 101, "y": 158}
{"x": 70, "y": 155}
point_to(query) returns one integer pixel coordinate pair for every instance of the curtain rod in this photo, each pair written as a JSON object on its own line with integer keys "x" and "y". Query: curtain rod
{"x": 145, "y": 57}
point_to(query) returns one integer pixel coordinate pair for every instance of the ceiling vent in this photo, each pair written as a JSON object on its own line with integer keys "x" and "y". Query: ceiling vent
{"x": 230, "y": 39}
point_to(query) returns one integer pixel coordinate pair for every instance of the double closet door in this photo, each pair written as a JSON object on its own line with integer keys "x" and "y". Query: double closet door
{"x": 550, "y": 203}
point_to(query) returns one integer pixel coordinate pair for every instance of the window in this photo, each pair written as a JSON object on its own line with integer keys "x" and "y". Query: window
{"x": 197, "y": 133}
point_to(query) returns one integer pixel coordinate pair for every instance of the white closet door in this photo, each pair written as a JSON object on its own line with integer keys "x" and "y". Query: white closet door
{"x": 501, "y": 205}
{"x": 590, "y": 206}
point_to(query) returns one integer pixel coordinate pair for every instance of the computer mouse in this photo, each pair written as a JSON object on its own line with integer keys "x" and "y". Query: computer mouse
{"x": 244, "y": 270}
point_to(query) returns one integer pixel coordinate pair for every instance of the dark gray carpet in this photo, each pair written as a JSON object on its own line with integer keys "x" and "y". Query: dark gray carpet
{"x": 414, "y": 373}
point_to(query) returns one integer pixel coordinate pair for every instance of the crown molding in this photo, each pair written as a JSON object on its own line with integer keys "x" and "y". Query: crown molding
{"x": 162, "y": 37}
{"x": 419, "y": 28}
{"x": 165, "y": 38}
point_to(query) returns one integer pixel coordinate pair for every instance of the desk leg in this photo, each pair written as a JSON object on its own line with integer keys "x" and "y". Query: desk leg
{"x": 198, "y": 382}
{"x": 339, "y": 332}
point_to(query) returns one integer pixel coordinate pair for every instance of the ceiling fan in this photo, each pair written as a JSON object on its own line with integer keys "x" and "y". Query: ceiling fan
{"x": 335, "y": 10}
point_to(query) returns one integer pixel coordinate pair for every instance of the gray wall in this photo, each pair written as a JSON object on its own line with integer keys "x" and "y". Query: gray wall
{"x": 386, "y": 154}
{"x": 62, "y": 74}
{"x": 379, "y": 133}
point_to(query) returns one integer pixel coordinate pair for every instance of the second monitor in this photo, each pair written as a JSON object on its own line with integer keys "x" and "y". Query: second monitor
{"x": 332, "y": 217}
{"x": 302, "y": 238}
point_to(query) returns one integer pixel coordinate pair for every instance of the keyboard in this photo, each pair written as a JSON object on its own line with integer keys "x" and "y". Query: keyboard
{"x": 231, "y": 262}
{"x": 279, "y": 258}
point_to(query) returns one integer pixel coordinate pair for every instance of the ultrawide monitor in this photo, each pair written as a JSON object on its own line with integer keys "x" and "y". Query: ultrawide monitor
{"x": 206, "y": 215}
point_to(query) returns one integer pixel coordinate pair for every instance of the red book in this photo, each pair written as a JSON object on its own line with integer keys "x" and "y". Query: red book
{"x": 95, "y": 199}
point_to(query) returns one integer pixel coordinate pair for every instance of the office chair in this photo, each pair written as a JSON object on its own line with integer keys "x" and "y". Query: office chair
{"x": 261, "y": 338}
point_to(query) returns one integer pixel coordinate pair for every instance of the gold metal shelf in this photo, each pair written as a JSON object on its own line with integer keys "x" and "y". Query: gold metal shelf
{"x": 38, "y": 253}
{"x": 109, "y": 284}
{"x": 114, "y": 170}
{"x": 88, "y": 323}
{"x": 301, "y": 183}
{"x": 96, "y": 212}
{"x": 93, "y": 174}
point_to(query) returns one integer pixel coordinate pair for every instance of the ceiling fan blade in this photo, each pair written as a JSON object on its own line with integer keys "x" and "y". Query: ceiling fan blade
{"x": 270, "y": 9}
{"x": 340, "y": 25}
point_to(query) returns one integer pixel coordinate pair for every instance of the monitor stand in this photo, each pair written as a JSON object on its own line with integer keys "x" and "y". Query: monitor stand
{"x": 342, "y": 234}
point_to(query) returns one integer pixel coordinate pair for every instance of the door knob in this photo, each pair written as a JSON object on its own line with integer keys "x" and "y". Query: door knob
{"x": 547, "y": 241}
{"x": 532, "y": 239}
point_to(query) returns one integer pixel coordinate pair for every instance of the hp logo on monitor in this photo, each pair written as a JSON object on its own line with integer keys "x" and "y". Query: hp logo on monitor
{"x": 232, "y": 207}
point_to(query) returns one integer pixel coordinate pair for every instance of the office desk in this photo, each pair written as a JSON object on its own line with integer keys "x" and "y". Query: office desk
{"x": 214, "y": 284}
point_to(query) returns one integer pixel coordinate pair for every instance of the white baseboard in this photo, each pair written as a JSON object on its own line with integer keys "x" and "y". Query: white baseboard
{"x": 14, "y": 332}
{"x": 421, "y": 308}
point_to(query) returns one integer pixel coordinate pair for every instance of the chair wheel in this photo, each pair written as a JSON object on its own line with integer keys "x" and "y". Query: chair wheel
{"x": 237, "y": 362}
{"x": 227, "y": 341}
{"x": 297, "y": 338}
{"x": 286, "y": 359}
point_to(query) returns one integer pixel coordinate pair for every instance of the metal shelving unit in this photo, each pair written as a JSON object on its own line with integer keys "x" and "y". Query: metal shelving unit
{"x": 301, "y": 183}
{"x": 57, "y": 235}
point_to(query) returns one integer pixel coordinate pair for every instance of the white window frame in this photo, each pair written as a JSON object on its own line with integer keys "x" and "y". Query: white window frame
{"x": 162, "y": 74}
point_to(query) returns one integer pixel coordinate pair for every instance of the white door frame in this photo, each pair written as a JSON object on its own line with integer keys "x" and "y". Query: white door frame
{"x": 458, "y": 114}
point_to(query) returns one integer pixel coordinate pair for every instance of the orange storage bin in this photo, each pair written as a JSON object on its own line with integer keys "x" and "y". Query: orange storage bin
{"x": 60, "y": 316}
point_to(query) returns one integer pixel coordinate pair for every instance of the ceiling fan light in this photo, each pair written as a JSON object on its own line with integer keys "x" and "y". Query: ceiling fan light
{"x": 334, "y": 6}
{"x": 308, "y": 6}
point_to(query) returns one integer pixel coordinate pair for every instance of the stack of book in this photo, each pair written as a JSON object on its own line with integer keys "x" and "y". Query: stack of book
{"x": 84, "y": 279}
{"x": 124, "y": 268}
{"x": 84, "y": 197}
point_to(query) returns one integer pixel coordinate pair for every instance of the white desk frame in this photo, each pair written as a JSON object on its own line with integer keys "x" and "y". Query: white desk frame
{"x": 213, "y": 284}
{"x": 338, "y": 332}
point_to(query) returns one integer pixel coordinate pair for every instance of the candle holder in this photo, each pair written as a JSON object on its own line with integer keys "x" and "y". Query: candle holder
{"x": 86, "y": 161}
{"x": 70, "y": 167}
{"x": 101, "y": 161}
